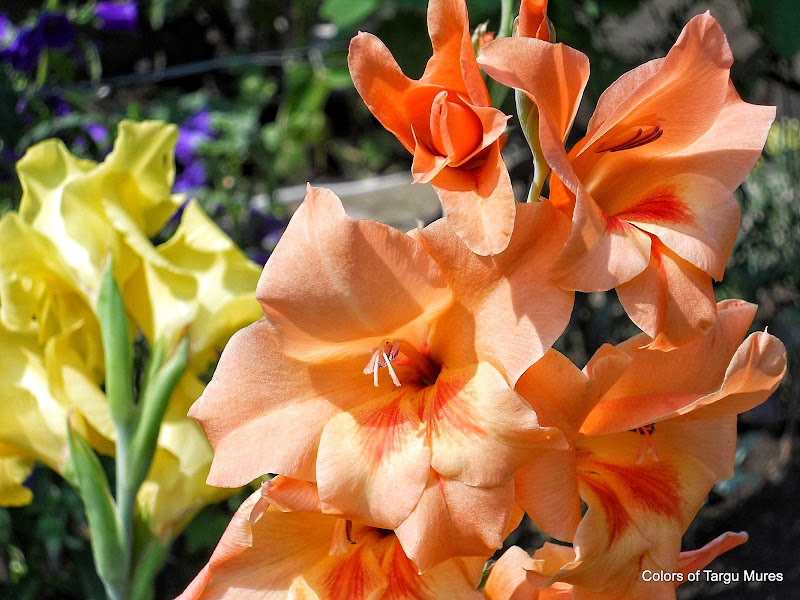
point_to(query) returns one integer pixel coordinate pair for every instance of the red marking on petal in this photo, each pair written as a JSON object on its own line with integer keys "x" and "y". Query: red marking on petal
{"x": 653, "y": 487}
{"x": 383, "y": 430}
{"x": 403, "y": 577}
{"x": 660, "y": 205}
{"x": 350, "y": 580}
{"x": 442, "y": 404}
{"x": 613, "y": 224}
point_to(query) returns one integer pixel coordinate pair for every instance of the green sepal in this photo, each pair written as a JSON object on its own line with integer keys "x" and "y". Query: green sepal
{"x": 528, "y": 114}
{"x": 106, "y": 536}
{"x": 153, "y": 405}
{"x": 117, "y": 349}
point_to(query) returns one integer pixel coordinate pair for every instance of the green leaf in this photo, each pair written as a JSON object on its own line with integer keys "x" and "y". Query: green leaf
{"x": 347, "y": 13}
{"x": 155, "y": 399}
{"x": 117, "y": 349}
{"x": 107, "y": 547}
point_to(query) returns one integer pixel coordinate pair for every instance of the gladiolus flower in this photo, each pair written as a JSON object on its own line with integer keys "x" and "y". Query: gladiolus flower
{"x": 267, "y": 552}
{"x": 649, "y": 187}
{"x": 382, "y": 371}
{"x": 446, "y": 121}
{"x": 515, "y": 574}
{"x": 533, "y": 21}
{"x": 73, "y": 214}
{"x": 657, "y": 430}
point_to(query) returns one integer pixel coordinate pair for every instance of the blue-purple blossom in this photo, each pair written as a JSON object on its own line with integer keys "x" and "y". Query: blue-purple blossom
{"x": 51, "y": 31}
{"x": 23, "y": 52}
{"x": 194, "y": 131}
{"x": 98, "y": 133}
{"x": 58, "y": 105}
{"x": 192, "y": 177}
{"x": 6, "y": 30}
{"x": 55, "y": 30}
{"x": 117, "y": 16}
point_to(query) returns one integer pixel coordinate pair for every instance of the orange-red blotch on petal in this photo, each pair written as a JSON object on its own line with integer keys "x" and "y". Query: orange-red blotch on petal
{"x": 383, "y": 431}
{"x": 654, "y": 487}
{"x": 660, "y": 205}
{"x": 441, "y": 408}
{"x": 357, "y": 576}
{"x": 403, "y": 577}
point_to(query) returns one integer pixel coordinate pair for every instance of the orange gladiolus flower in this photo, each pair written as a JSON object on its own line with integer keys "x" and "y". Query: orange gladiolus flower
{"x": 268, "y": 553}
{"x": 649, "y": 186}
{"x": 383, "y": 372}
{"x": 533, "y": 20}
{"x": 447, "y": 122}
{"x": 651, "y": 432}
{"x": 515, "y": 574}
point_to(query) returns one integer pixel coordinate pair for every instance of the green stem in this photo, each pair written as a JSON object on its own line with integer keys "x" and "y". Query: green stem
{"x": 126, "y": 501}
{"x": 150, "y": 562}
{"x": 497, "y": 91}
{"x": 506, "y": 12}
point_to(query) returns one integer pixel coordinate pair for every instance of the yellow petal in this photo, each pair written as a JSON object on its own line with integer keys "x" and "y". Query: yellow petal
{"x": 13, "y": 471}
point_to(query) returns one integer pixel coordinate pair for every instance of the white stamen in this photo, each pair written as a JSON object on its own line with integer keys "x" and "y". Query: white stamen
{"x": 391, "y": 370}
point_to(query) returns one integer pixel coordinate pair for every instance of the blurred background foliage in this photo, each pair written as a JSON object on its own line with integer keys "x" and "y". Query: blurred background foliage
{"x": 262, "y": 95}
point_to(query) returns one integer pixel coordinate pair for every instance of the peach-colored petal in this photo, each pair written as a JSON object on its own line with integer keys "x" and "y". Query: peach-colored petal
{"x": 701, "y": 558}
{"x": 731, "y": 147}
{"x": 260, "y": 560}
{"x": 553, "y": 76}
{"x": 636, "y": 508}
{"x": 356, "y": 575}
{"x": 454, "y": 579}
{"x": 562, "y": 395}
{"x": 481, "y": 431}
{"x": 507, "y": 579}
{"x": 291, "y": 495}
{"x": 626, "y": 85}
{"x": 547, "y": 489}
{"x": 693, "y": 215}
{"x": 683, "y": 97}
{"x": 453, "y": 65}
{"x": 479, "y": 203}
{"x": 455, "y": 519}
{"x": 533, "y": 20}
{"x": 382, "y": 85}
{"x": 426, "y": 164}
{"x": 332, "y": 280}
{"x": 602, "y": 252}
{"x": 263, "y": 412}
{"x": 753, "y": 374}
{"x": 671, "y": 300}
{"x": 709, "y": 377}
{"x": 373, "y": 461}
{"x": 507, "y": 312}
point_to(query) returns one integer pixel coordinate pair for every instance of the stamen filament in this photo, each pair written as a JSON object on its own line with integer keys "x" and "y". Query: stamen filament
{"x": 391, "y": 370}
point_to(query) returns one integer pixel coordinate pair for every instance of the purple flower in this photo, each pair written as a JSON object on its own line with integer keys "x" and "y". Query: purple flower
{"x": 98, "y": 133}
{"x": 55, "y": 31}
{"x": 193, "y": 177}
{"x": 50, "y": 31}
{"x": 117, "y": 16}
{"x": 194, "y": 131}
{"x": 58, "y": 105}
{"x": 199, "y": 121}
{"x": 6, "y": 29}
{"x": 23, "y": 52}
